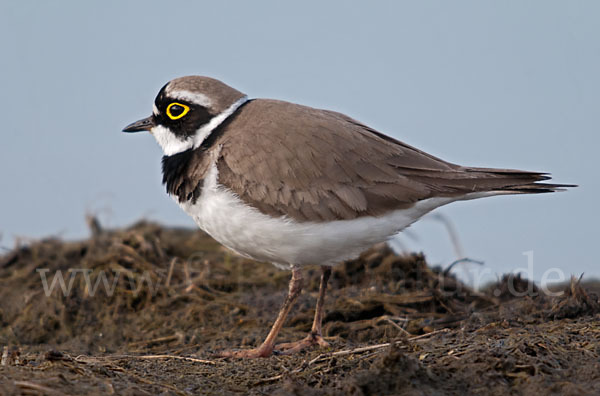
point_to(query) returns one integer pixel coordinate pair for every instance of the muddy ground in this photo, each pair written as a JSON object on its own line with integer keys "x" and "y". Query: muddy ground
{"x": 159, "y": 302}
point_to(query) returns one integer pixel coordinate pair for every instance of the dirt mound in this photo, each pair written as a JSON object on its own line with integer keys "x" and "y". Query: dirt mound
{"x": 142, "y": 310}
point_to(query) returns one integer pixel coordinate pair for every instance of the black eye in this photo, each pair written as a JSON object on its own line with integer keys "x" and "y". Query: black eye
{"x": 177, "y": 110}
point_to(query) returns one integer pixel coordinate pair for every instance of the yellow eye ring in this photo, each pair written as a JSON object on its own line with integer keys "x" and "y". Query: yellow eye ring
{"x": 178, "y": 114}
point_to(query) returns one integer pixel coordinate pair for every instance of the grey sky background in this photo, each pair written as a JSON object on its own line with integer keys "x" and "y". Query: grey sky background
{"x": 483, "y": 83}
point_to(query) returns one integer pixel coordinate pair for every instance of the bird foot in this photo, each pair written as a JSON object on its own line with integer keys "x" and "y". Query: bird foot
{"x": 260, "y": 352}
{"x": 296, "y": 346}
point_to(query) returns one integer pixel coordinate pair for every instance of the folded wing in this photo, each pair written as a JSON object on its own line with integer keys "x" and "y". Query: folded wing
{"x": 317, "y": 165}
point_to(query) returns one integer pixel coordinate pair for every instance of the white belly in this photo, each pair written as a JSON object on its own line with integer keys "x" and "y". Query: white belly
{"x": 285, "y": 242}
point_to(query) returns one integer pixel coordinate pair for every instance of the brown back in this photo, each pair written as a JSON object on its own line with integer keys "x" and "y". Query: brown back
{"x": 316, "y": 165}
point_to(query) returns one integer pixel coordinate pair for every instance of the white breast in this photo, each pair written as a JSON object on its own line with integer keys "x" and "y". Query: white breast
{"x": 285, "y": 242}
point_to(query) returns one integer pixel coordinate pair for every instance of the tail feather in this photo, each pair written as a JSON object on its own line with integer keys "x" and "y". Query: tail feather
{"x": 514, "y": 181}
{"x": 467, "y": 180}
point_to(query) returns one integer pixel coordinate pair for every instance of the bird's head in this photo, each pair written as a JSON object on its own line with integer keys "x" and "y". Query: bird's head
{"x": 186, "y": 110}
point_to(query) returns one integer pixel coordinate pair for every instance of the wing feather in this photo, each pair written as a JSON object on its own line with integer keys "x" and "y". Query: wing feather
{"x": 317, "y": 165}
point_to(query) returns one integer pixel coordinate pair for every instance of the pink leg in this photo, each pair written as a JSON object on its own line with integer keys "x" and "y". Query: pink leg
{"x": 266, "y": 349}
{"x": 315, "y": 336}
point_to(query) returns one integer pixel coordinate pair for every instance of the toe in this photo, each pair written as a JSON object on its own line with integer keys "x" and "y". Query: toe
{"x": 321, "y": 342}
{"x": 247, "y": 353}
{"x": 292, "y": 347}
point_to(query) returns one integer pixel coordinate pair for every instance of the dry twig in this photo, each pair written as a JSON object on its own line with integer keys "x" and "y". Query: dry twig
{"x": 37, "y": 387}
{"x": 373, "y": 347}
{"x": 188, "y": 359}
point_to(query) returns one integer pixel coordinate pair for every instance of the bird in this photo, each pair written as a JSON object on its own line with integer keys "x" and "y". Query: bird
{"x": 294, "y": 185}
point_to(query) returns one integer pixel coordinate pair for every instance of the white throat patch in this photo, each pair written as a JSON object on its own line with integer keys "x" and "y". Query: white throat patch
{"x": 171, "y": 144}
